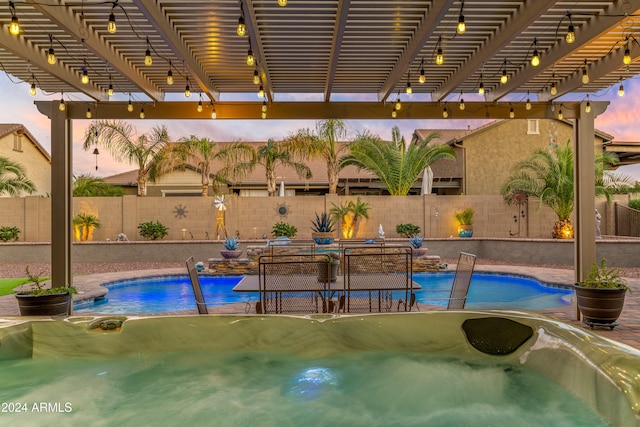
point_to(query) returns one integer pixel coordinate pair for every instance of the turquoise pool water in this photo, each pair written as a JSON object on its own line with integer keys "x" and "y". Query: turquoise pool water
{"x": 174, "y": 293}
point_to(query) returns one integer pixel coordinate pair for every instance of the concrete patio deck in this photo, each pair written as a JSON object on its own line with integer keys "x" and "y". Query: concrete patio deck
{"x": 627, "y": 332}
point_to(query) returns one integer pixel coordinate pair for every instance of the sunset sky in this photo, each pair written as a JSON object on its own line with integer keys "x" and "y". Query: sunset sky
{"x": 620, "y": 120}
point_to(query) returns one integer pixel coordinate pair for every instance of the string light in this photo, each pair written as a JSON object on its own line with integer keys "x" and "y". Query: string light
{"x": 14, "y": 26}
{"x": 585, "y": 73}
{"x": 148, "y": 61}
{"x": 621, "y": 90}
{"x": 394, "y": 114}
{"x": 422, "y": 77}
{"x": 130, "y": 106}
{"x": 439, "y": 54}
{"x": 282, "y": 3}
{"x": 571, "y": 35}
{"x": 461, "y": 104}
{"x": 85, "y": 76}
{"x": 241, "y": 29}
{"x": 264, "y": 106}
{"x": 504, "y": 78}
{"x": 398, "y": 105}
{"x": 560, "y": 115}
{"x": 32, "y": 91}
{"x": 88, "y": 113}
{"x": 535, "y": 59}
{"x": 251, "y": 60}
{"x": 213, "y": 112}
{"x": 481, "y": 86}
{"x": 111, "y": 25}
{"x": 462, "y": 27}
{"x": 256, "y": 77}
{"x": 264, "y": 115}
{"x": 51, "y": 56}
{"x": 142, "y": 116}
{"x": 445, "y": 113}
{"x": 627, "y": 56}
{"x": 587, "y": 107}
{"x": 554, "y": 88}
{"x": 199, "y": 108}
{"x": 527, "y": 106}
{"x": 187, "y": 90}
{"x": 62, "y": 106}
{"x": 110, "y": 90}
{"x": 261, "y": 92}
{"x": 512, "y": 113}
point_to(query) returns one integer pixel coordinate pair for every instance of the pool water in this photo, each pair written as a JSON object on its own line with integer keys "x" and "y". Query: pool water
{"x": 266, "y": 388}
{"x": 174, "y": 293}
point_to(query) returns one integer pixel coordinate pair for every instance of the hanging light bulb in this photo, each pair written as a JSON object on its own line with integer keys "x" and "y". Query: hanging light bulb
{"x": 88, "y": 113}
{"x": 261, "y": 92}
{"x": 422, "y": 77}
{"x": 527, "y": 106}
{"x": 148, "y": 61}
{"x": 621, "y": 90}
{"x": 462, "y": 27}
{"x": 256, "y": 77}
{"x": 571, "y": 35}
{"x": 62, "y": 106}
{"x": 560, "y": 115}
{"x": 627, "y": 56}
{"x": 461, "y": 104}
{"x": 408, "y": 90}
{"x": 51, "y": 56}
{"x": 213, "y": 112}
{"x": 130, "y": 106}
{"x": 587, "y": 107}
{"x": 481, "y": 89}
{"x": 554, "y": 88}
{"x": 398, "y": 104}
{"x": 85, "y": 76}
{"x": 251, "y": 60}
{"x": 585, "y": 73}
{"x": 535, "y": 59}
{"x": 110, "y": 90}
{"x": 264, "y": 115}
{"x": 512, "y": 113}
{"x": 445, "y": 113}
{"x": 264, "y": 106}
{"x": 439, "y": 57}
{"x": 504, "y": 78}
{"x": 241, "y": 29}
{"x": 282, "y": 3}
{"x": 199, "y": 108}
{"x": 111, "y": 25}
{"x": 187, "y": 90}
{"x": 14, "y": 26}
{"x": 32, "y": 91}
{"x": 142, "y": 116}
{"x": 169, "y": 77}
{"x": 394, "y": 114}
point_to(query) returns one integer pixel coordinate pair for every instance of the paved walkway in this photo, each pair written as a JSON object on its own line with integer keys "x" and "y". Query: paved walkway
{"x": 627, "y": 332}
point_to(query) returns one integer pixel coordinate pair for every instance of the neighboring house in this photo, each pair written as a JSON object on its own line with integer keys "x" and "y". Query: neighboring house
{"x": 180, "y": 182}
{"x": 486, "y": 156}
{"x": 20, "y": 146}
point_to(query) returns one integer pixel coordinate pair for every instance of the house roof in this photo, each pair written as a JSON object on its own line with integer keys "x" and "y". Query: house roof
{"x": 9, "y": 128}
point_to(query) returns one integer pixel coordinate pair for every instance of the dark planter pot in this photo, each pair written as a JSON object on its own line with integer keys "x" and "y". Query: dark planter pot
{"x": 333, "y": 273}
{"x": 324, "y": 238}
{"x": 600, "y": 306}
{"x": 227, "y": 254}
{"x": 45, "y": 305}
{"x": 465, "y": 231}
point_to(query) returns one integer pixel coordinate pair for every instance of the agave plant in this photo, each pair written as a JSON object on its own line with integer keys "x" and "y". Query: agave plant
{"x": 323, "y": 223}
{"x": 231, "y": 244}
{"x": 416, "y": 241}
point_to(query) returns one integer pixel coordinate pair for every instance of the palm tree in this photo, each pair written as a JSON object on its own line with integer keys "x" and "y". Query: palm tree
{"x": 349, "y": 213}
{"x": 324, "y": 144}
{"x": 395, "y": 163}
{"x": 270, "y": 156}
{"x": 203, "y": 151}
{"x": 86, "y": 222}
{"x": 549, "y": 177}
{"x": 13, "y": 181}
{"x": 149, "y": 151}
{"x": 89, "y": 186}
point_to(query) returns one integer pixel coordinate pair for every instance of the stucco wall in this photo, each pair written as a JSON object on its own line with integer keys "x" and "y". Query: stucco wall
{"x": 36, "y": 167}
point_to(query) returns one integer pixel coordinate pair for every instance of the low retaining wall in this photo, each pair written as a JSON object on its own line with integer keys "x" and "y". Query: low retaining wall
{"x": 619, "y": 252}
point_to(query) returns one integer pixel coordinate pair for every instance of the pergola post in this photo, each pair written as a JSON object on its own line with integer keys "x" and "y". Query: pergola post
{"x": 61, "y": 197}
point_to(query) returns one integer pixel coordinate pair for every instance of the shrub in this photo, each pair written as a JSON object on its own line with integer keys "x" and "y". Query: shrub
{"x": 284, "y": 229}
{"x": 9, "y": 234}
{"x": 407, "y": 230}
{"x": 634, "y": 204}
{"x": 153, "y": 230}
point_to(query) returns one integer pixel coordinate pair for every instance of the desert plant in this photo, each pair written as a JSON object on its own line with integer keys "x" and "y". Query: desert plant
{"x": 37, "y": 288}
{"x": 9, "y": 234}
{"x": 153, "y": 230}
{"x": 88, "y": 222}
{"x": 407, "y": 230}
{"x": 465, "y": 216}
{"x": 231, "y": 244}
{"x": 284, "y": 229}
{"x": 323, "y": 223}
{"x": 634, "y": 204}
{"x": 603, "y": 277}
{"x": 416, "y": 241}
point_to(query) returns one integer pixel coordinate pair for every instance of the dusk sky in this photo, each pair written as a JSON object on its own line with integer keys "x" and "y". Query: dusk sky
{"x": 620, "y": 120}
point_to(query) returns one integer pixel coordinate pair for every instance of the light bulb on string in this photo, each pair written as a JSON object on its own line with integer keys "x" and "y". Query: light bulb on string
{"x": 110, "y": 90}
{"x": 261, "y": 92}
{"x": 169, "y": 77}
{"x": 241, "y": 29}
{"x": 142, "y": 115}
{"x": 111, "y": 25}
{"x": 626, "y": 60}
{"x": 85, "y": 76}
{"x": 32, "y": 90}
{"x": 512, "y": 113}
{"x": 199, "y": 108}
{"x": 394, "y": 113}
{"x": 88, "y": 113}
{"x": 461, "y": 104}
{"x": 264, "y": 106}
{"x": 528, "y": 104}
{"x": 51, "y": 55}
{"x": 130, "y": 107}
{"x": 585, "y": 73}
{"x": 535, "y": 58}
{"x": 187, "y": 90}
{"x": 398, "y": 104}
{"x": 621, "y": 90}
{"x": 62, "y": 106}
{"x": 251, "y": 60}
{"x": 282, "y": 3}
{"x": 462, "y": 27}
{"x": 445, "y": 113}
{"x": 256, "y": 77}
{"x": 587, "y": 107}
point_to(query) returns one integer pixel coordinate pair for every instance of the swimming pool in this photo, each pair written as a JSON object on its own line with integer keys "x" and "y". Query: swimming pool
{"x": 162, "y": 294}
{"x": 371, "y": 370}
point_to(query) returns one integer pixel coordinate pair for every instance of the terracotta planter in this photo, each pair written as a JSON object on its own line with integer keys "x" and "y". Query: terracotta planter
{"x": 45, "y": 305}
{"x": 322, "y": 238}
{"x": 600, "y": 306}
{"x": 227, "y": 254}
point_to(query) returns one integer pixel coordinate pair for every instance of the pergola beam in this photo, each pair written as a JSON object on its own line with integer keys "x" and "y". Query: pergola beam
{"x": 256, "y": 43}
{"x": 338, "y": 34}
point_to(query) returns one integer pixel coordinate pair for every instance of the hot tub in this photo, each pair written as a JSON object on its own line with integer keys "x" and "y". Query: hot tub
{"x": 408, "y": 368}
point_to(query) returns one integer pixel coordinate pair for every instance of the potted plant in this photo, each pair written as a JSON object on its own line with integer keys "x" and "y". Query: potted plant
{"x": 416, "y": 241}
{"x": 231, "y": 248}
{"x": 600, "y": 297}
{"x": 41, "y": 301}
{"x": 464, "y": 218}
{"x": 323, "y": 228}
{"x": 334, "y": 263}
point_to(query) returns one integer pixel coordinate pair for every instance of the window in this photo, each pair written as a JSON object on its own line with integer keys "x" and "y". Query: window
{"x": 533, "y": 127}
{"x": 17, "y": 142}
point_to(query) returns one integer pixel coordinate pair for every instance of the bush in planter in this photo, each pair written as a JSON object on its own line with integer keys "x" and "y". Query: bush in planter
{"x": 407, "y": 230}
{"x": 600, "y": 296}
{"x": 9, "y": 234}
{"x": 464, "y": 218}
{"x": 281, "y": 229}
{"x": 153, "y": 230}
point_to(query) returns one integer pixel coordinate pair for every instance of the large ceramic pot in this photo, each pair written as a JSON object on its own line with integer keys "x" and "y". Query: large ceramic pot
{"x": 600, "y": 306}
{"x": 418, "y": 252}
{"x": 465, "y": 231}
{"x": 228, "y": 254}
{"x": 322, "y": 238}
{"x": 45, "y": 305}
{"x": 333, "y": 273}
